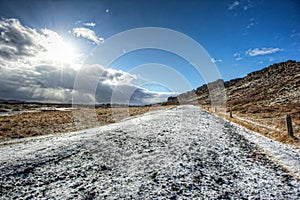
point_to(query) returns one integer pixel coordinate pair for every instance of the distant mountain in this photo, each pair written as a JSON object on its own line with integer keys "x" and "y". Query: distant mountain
{"x": 276, "y": 85}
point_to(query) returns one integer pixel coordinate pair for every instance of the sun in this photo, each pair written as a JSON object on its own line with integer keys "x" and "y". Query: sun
{"x": 56, "y": 48}
{"x": 61, "y": 51}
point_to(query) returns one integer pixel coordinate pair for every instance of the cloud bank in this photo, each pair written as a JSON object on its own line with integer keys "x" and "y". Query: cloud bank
{"x": 17, "y": 40}
{"x": 28, "y": 71}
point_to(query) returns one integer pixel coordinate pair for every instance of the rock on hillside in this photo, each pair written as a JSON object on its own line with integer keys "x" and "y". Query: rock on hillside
{"x": 278, "y": 84}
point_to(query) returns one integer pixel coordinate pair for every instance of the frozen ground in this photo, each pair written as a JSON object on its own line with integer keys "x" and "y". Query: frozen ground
{"x": 181, "y": 153}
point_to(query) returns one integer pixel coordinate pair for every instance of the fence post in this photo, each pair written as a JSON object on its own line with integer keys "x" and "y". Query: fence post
{"x": 230, "y": 114}
{"x": 289, "y": 125}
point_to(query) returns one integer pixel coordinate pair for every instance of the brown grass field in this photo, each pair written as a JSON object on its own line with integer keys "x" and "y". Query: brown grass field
{"x": 269, "y": 121}
{"x": 54, "y": 121}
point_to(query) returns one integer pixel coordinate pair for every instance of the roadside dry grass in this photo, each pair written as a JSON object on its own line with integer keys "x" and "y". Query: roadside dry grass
{"x": 54, "y": 122}
{"x": 269, "y": 121}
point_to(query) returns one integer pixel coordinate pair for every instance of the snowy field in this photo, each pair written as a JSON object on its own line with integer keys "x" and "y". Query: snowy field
{"x": 181, "y": 153}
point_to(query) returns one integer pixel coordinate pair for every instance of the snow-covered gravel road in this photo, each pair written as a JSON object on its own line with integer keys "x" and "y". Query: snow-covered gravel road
{"x": 181, "y": 153}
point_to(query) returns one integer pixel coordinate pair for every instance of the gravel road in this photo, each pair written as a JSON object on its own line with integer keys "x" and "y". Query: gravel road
{"x": 181, "y": 153}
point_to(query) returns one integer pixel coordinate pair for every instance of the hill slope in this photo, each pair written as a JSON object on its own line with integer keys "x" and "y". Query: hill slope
{"x": 260, "y": 100}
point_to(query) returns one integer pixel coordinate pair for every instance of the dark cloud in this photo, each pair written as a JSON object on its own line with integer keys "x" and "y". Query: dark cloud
{"x": 52, "y": 77}
{"x": 7, "y": 52}
{"x": 26, "y": 74}
{"x": 17, "y": 40}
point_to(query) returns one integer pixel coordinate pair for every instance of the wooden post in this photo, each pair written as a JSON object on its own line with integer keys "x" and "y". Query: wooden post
{"x": 289, "y": 125}
{"x": 230, "y": 114}
{"x": 216, "y": 109}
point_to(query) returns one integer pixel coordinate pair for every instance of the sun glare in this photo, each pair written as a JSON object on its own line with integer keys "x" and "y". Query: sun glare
{"x": 61, "y": 52}
{"x": 57, "y": 48}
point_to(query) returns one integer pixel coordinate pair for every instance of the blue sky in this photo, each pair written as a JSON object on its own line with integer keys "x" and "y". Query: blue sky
{"x": 241, "y": 36}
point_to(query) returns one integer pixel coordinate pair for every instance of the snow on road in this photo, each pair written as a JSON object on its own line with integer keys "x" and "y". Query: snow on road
{"x": 181, "y": 153}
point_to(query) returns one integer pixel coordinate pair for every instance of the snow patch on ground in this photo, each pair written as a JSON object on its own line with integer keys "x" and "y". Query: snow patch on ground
{"x": 181, "y": 153}
{"x": 287, "y": 155}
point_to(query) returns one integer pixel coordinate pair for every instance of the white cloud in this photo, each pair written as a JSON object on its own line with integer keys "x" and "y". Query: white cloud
{"x": 87, "y": 33}
{"x": 233, "y": 5}
{"x": 237, "y": 56}
{"x": 243, "y": 5}
{"x": 216, "y": 60}
{"x": 250, "y": 25}
{"x": 252, "y": 22}
{"x": 29, "y": 72}
{"x": 90, "y": 24}
{"x": 17, "y": 40}
{"x": 263, "y": 51}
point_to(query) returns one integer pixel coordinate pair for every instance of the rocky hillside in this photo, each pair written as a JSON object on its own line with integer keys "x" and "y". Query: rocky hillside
{"x": 270, "y": 93}
{"x": 277, "y": 84}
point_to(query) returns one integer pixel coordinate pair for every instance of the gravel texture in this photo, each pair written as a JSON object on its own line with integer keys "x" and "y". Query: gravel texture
{"x": 181, "y": 153}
